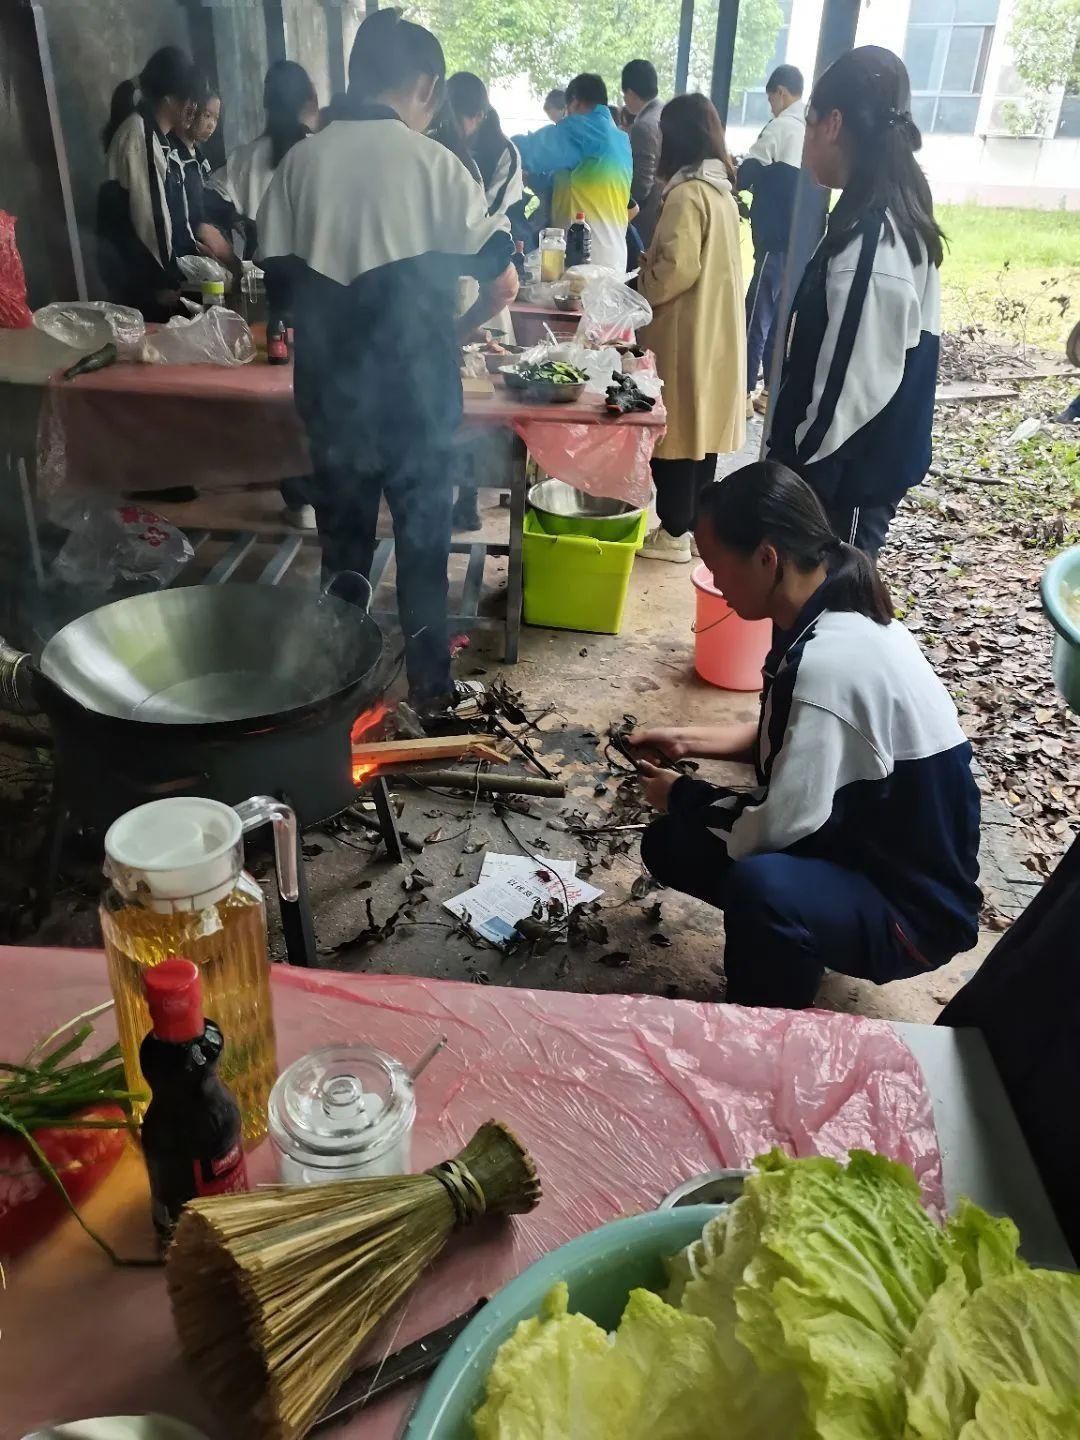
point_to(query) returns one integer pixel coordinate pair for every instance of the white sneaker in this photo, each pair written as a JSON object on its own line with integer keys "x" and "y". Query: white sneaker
{"x": 694, "y": 551}
{"x": 302, "y": 517}
{"x": 659, "y": 545}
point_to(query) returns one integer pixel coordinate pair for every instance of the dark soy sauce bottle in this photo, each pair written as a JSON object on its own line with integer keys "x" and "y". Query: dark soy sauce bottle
{"x": 579, "y": 241}
{"x": 191, "y": 1132}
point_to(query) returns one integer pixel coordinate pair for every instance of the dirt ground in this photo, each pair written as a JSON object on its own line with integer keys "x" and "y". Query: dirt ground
{"x": 373, "y": 915}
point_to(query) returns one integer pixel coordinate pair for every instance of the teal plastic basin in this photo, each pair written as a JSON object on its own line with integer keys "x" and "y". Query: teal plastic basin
{"x": 1061, "y": 579}
{"x": 601, "y": 1268}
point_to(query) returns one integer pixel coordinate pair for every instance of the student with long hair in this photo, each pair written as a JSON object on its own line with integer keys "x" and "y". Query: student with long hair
{"x": 855, "y": 410}
{"x": 373, "y": 223}
{"x": 208, "y": 220}
{"x": 496, "y": 157}
{"x": 142, "y": 222}
{"x": 857, "y": 846}
{"x": 291, "y": 106}
{"x": 692, "y": 278}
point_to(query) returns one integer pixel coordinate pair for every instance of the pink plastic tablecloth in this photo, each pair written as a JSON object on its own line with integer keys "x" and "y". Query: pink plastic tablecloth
{"x": 149, "y": 427}
{"x": 618, "y": 1097}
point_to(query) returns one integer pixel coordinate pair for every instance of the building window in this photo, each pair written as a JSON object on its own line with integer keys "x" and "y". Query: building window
{"x": 946, "y": 53}
{"x": 753, "y": 109}
{"x": 1068, "y": 126}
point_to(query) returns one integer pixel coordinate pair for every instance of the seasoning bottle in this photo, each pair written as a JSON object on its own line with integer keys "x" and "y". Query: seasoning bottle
{"x": 519, "y": 260}
{"x": 213, "y": 294}
{"x": 277, "y": 341}
{"x": 579, "y": 241}
{"x": 179, "y": 887}
{"x": 552, "y": 254}
{"x": 191, "y": 1131}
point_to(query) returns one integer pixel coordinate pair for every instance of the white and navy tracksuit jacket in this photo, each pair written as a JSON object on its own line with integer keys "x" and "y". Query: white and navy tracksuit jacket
{"x": 860, "y": 761}
{"x": 371, "y": 225}
{"x": 855, "y": 410}
{"x": 771, "y": 170}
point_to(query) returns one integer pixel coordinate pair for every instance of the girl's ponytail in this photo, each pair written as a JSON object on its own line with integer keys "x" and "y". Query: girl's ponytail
{"x": 124, "y": 101}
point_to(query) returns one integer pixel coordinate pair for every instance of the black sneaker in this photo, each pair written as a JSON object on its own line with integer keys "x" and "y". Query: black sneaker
{"x": 464, "y": 692}
{"x": 465, "y": 514}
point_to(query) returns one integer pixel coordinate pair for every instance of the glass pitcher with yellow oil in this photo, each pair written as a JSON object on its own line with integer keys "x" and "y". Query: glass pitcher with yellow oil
{"x": 178, "y": 887}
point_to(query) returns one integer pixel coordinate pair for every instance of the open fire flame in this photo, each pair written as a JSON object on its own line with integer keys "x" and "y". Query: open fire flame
{"x": 364, "y": 724}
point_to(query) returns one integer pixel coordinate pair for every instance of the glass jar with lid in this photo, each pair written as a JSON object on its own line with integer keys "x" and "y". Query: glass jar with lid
{"x": 342, "y": 1112}
{"x": 552, "y": 254}
{"x": 178, "y": 887}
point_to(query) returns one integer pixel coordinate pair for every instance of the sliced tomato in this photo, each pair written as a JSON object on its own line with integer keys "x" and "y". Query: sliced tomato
{"x": 30, "y": 1205}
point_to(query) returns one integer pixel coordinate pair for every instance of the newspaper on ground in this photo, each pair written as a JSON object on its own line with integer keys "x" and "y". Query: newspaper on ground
{"x": 511, "y": 887}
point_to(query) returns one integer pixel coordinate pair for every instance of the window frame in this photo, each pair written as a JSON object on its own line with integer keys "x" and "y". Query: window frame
{"x": 944, "y": 23}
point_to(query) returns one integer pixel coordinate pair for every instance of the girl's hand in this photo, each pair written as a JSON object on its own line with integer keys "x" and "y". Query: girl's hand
{"x": 657, "y": 784}
{"x": 665, "y": 740}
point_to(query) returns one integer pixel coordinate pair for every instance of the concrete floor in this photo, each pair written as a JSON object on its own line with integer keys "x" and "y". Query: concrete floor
{"x": 593, "y": 680}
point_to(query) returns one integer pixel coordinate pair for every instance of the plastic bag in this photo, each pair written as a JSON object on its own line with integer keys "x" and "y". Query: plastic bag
{"x": 600, "y": 459}
{"x": 611, "y": 311}
{"x": 14, "y": 311}
{"x": 88, "y": 324}
{"x": 199, "y": 268}
{"x": 123, "y": 542}
{"x": 215, "y": 337}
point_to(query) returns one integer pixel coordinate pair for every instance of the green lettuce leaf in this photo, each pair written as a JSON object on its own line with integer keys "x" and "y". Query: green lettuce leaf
{"x": 1024, "y": 1412}
{"x": 560, "y": 1378}
{"x": 1016, "y": 1338}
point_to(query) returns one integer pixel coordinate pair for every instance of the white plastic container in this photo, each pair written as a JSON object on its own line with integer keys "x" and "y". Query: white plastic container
{"x": 342, "y": 1112}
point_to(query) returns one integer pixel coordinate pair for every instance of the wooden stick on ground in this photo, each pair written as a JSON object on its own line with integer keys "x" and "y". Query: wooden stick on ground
{"x": 444, "y": 747}
{"x": 470, "y": 780}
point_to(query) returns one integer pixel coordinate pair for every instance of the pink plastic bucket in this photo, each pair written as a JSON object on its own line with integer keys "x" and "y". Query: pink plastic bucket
{"x": 728, "y": 652}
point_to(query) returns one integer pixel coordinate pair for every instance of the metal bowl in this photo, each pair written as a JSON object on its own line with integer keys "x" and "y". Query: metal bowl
{"x": 547, "y": 392}
{"x": 563, "y": 510}
{"x": 715, "y": 1187}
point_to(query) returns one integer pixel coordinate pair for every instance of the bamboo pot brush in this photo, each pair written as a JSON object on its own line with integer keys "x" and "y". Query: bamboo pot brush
{"x": 274, "y": 1292}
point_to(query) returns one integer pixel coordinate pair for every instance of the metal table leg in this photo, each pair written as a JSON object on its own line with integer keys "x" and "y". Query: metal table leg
{"x": 515, "y": 576}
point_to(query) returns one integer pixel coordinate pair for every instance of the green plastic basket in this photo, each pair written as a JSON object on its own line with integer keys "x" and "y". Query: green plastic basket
{"x": 575, "y": 582}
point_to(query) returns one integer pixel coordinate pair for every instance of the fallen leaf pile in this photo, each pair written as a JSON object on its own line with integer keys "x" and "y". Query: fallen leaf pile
{"x": 964, "y": 560}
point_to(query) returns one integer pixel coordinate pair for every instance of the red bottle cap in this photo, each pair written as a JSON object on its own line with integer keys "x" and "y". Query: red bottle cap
{"x": 174, "y": 995}
{"x": 581, "y": 214}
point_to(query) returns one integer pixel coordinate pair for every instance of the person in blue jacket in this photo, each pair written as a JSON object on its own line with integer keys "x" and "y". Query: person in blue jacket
{"x": 589, "y": 157}
{"x": 855, "y": 410}
{"x": 856, "y": 847}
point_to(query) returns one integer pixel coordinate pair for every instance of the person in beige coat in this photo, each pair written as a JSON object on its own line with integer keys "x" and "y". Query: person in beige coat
{"x": 692, "y": 278}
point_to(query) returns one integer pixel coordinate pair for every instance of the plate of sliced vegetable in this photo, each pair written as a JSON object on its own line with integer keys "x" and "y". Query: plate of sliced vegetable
{"x": 552, "y": 382}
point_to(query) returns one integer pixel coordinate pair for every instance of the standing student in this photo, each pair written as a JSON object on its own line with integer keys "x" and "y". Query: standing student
{"x": 855, "y": 411}
{"x": 692, "y": 278}
{"x": 589, "y": 158}
{"x": 210, "y": 222}
{"x": 496, "y": 157}
{"x": 371, "y": 223}
{"x": 641, "y": 98}
{"x": 771, "y": 171}
{"x": 555, "y": 106}
{"x": 142, "y": 222}
{"x": 291, "y": 108}
{"x": 857, "y": 847}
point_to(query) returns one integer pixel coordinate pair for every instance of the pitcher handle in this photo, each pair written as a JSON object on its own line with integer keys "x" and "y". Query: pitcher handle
{"x": 265, "y": 810}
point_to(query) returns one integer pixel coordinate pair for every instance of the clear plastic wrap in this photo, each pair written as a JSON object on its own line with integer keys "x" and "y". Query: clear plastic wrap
{"x": 89, "y": 324}
{"x": 199, "y": 268}
{"x": 611, "y": 311}
{"x": 618, "y": 1098}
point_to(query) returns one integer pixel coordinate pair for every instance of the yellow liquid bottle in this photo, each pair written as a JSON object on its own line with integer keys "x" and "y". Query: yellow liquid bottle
{"x": 179, "y": 888}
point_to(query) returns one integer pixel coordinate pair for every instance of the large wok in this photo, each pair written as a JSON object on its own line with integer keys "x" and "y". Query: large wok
{"x": 221, "y": 690}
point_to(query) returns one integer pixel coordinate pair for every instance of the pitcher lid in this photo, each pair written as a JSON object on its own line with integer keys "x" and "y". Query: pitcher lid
{"x": 184, "y": 852}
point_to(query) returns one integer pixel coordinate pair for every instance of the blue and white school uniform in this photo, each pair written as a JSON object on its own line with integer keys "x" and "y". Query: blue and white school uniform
{"x": 855, "y": 411}
{"x": 857, "y": 848}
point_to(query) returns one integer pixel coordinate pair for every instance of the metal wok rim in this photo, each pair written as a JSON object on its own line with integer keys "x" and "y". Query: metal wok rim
{"x": 294, "y": 715}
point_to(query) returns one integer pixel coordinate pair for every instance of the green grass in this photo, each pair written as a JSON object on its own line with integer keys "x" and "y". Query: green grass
{"x": 1005, "y": 268}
